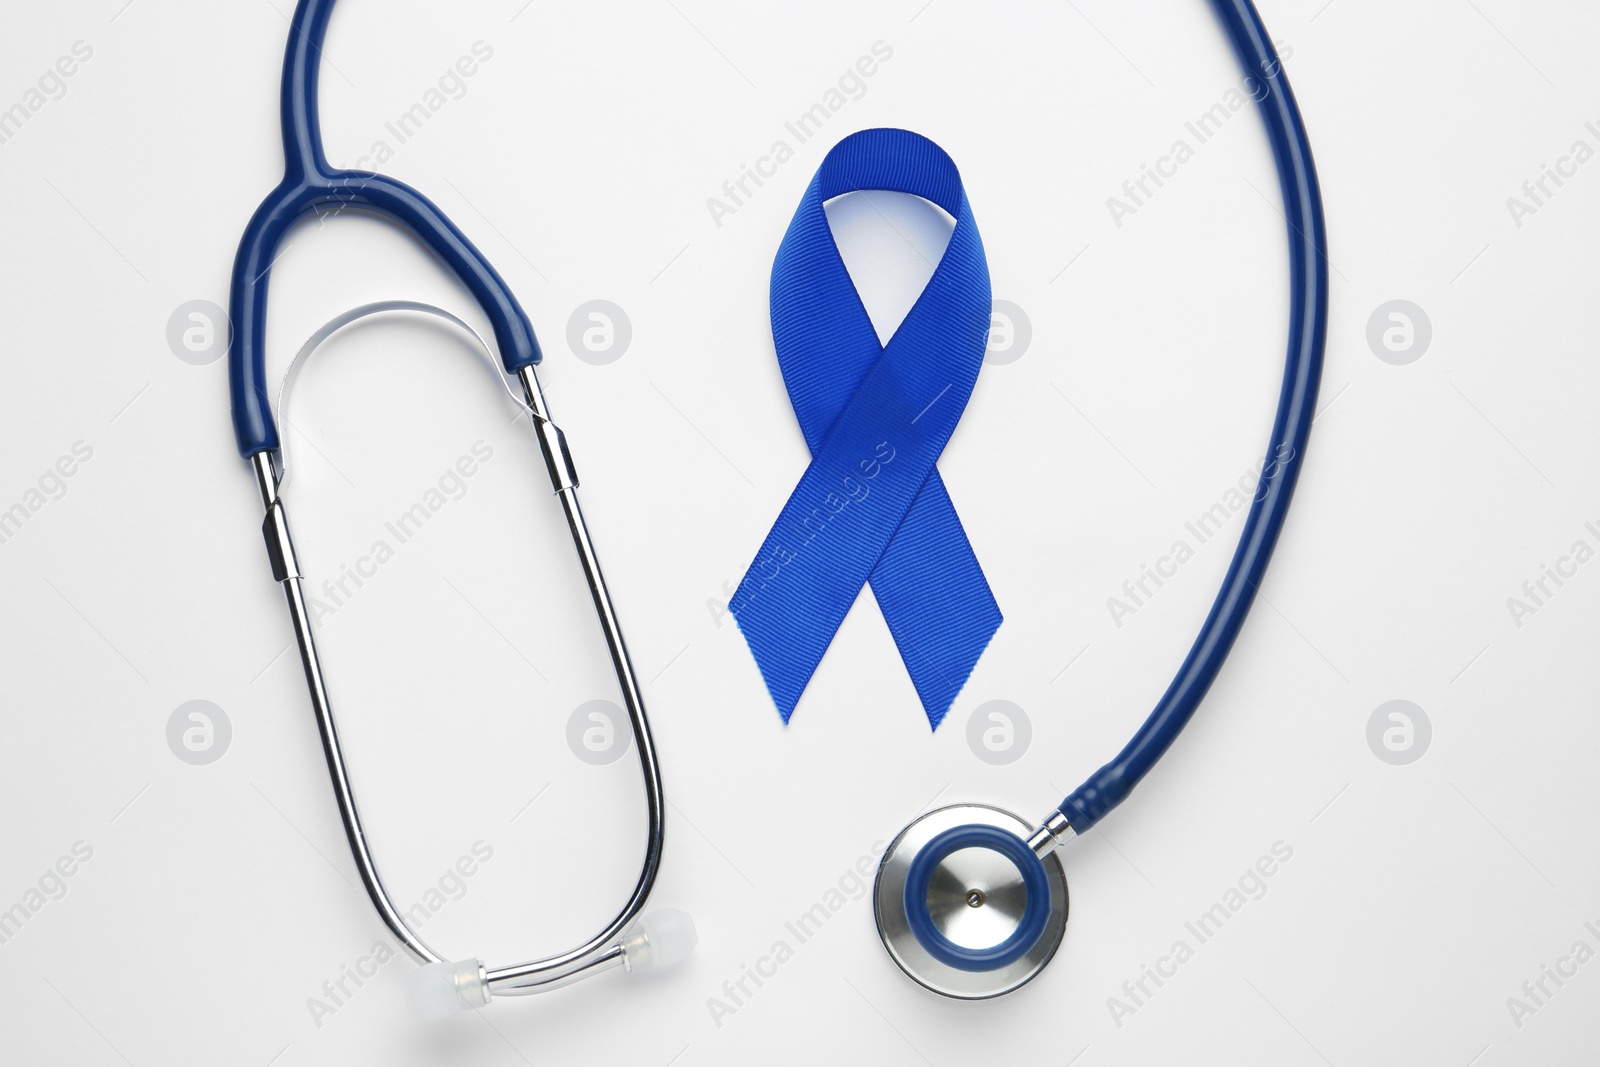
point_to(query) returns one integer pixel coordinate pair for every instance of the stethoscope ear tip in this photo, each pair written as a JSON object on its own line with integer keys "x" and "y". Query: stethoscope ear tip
{"x": 660, "y": 940}
{"x": 439, "y": 990}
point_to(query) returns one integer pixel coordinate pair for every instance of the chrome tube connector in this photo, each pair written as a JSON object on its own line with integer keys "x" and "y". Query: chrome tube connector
{"x": 552, "y": 442}
{"x": 1053, "y": 833}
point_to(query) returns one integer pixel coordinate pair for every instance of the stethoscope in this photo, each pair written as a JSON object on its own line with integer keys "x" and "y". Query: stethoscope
{"x": 442, "y": 986}
{"x": 971, "y": 900}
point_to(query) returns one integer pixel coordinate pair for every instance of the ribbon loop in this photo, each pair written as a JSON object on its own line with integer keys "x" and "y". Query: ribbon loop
{"x": 871, "y": 505}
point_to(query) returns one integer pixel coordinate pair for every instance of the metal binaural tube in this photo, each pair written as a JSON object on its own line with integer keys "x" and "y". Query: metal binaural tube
{"x": 531, "y": 977}
{"x": 602, "y": 952}
{"x": 267, "y": 481}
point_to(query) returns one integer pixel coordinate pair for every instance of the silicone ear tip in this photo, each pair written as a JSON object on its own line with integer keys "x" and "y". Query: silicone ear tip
{"x": 662, "y": 938}
{"x": 440, "y": 990}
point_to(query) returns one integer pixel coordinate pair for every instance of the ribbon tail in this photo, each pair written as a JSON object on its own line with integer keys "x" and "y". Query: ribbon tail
{"x": 785, "y": 669}
{"x": 801, "y": 586}
{"x": 935, "y": 599}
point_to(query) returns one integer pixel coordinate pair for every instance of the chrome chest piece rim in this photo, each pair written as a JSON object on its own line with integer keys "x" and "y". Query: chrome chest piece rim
{"x": 974, "y": 904}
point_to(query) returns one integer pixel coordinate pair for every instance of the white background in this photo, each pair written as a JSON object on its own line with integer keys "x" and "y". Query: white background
{"x": 220, "y": 898}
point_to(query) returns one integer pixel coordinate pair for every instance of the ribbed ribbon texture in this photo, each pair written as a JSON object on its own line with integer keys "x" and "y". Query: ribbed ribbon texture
{"x": 871, "y": 506}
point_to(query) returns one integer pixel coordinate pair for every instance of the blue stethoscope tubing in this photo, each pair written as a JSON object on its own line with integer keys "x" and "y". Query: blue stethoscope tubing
{"x": 1291, "y": 427}
{"x": 942, "y": 963}
{"x": 311, "y": 185}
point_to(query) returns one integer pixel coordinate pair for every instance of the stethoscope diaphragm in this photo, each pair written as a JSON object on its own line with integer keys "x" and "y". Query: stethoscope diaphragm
{"x": 965, "y": 907}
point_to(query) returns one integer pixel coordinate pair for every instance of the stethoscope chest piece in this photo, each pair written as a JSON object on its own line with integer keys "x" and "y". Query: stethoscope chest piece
{"x": 965, "y": 906}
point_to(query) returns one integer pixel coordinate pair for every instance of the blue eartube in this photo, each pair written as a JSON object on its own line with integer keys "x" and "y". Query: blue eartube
{"x": 1291, "y": 426}
{"x": 310, "y": 186}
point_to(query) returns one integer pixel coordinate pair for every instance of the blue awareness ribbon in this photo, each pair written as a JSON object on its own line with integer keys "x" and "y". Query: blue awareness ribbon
{"x": 871, "y": 506}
